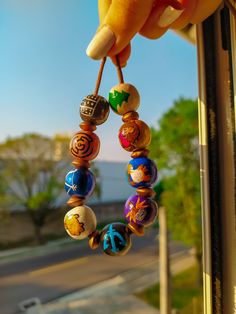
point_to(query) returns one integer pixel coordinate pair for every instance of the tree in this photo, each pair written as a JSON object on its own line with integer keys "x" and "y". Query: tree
{"x": 32, "y": 170}
{"x": 175, "y": 149}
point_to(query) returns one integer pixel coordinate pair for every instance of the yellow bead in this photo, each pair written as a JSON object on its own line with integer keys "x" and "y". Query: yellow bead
{"x": 80, "y": 222}
{"x": 124, "y": 98}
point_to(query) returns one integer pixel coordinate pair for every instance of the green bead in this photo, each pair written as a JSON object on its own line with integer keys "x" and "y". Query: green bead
{"x": 124, "y": 98}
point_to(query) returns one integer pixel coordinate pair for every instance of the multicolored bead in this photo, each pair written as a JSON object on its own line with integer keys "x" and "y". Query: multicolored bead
{"x": 142, "y": 172}
{"x": 115, "y": 239}
{"x": 80, "y": 222}
{"x": 123, "y": 98}
{"x": 94, "y": 109}
{"x": 80, "y": 182}
{"x": 85, "y": 145}
{"x": 140, "y": 210}
{"x": 134, "y": 134}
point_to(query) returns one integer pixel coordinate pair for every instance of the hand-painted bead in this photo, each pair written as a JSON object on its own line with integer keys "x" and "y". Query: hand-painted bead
{"x": 115, "y": 239}
{"x": 85, "y": 145}
{"x": 94, "y": 109}
{"x": 80, "y": 222}
{"x": 80, "y": 182}
{"x": 140, "y": 210}
{"x": 134, "y": 135}
{"x": 124, "y": 98}
{"x": 142, "y": 172}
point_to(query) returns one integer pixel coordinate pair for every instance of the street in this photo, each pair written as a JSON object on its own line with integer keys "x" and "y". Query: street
{"x": 59, "y": 273}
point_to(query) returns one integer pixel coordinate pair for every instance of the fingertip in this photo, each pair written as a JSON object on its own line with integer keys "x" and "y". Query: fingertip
{"x": 101, "y": 43}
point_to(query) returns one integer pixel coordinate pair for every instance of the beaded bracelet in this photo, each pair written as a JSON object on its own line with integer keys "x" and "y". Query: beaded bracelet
{"x": 134, "y": 135}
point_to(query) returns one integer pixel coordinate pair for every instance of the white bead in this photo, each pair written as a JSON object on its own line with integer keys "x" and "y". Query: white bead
{"x": 80, "y": 222}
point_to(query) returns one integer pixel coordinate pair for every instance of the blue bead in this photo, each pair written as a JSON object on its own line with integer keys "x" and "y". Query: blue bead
{"x": 80, "y": 182}
{"x": 142, "y": 172}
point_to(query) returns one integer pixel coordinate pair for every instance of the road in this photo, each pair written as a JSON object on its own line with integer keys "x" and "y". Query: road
{"x": 72, "y": 268}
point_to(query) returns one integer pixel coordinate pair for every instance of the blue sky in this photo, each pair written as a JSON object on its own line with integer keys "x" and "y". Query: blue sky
{"x": 44, "y": 71}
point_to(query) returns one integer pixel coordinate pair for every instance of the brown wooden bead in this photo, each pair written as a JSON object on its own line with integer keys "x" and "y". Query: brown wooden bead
{"x": 81, "y": 163}
{"x": 136, "y": 229}
{"x": 94, "y": 240}
{"x": 131, "y": 115}
{"x": 85, "y": 145}
{"x": 87, "y": 126}
{"x": 140, "y": 153}
{"x": 94, "y": 109}
{"x": 75, "y": 201}
{"x": 148, "y": 192}
{"x": 134, "y": 134}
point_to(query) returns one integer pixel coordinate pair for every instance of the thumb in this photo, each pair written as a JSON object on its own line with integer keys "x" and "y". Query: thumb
{"x": 123, "y": 20}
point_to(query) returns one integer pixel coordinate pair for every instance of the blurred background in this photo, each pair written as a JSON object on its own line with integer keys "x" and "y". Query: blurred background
{"x": 44, "y": 75}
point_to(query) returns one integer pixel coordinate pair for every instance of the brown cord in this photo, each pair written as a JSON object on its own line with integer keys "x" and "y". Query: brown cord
{"x": 119, "y": 70}
{"x": 231, "y": 7}
{"x": 99, "y": 78}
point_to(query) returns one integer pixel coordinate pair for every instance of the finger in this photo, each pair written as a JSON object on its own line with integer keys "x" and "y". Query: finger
{"x": 151, "y": 28}
{"x": 203, "y": 9}
{"x": 123, "y": 56}
{"x": 122, "y": 21}
{"x": 103, "y": 7}
{"x": 163, "y": 15}
{"x": 185, "y": 17}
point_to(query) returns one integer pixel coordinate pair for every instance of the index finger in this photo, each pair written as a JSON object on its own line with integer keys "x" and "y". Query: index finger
{"x": 123, "y": 20}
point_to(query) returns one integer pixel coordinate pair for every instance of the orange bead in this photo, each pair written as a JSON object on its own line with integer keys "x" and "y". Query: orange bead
{"x": 134, "y": 134}
{"x": 85, "y": 145}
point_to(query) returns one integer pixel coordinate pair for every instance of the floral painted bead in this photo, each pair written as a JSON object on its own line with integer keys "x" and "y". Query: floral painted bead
{"x": 94, "y": 109}
{"x": 115, "y": 239}
{"x": 80, "y": 222}
{"x": 85, "y": 145}
{"x": 134, "y": 134}
{"x": 124, "y": 98}
{"x": 80, "y": 182}
{"x": 140, "y": 210}
{"x": 142, "y": 172}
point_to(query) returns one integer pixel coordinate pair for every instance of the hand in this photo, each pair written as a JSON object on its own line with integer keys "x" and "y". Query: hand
{"x": 121, "y": 20}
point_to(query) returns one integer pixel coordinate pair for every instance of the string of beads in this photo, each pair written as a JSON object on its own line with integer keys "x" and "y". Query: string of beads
{"x": 140, "y": 209}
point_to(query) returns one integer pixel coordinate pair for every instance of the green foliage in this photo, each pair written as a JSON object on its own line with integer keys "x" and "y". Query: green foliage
{"x": 175, "y": 149}
{"x": 184, "y": 289}
{"x": 32, "y": 170}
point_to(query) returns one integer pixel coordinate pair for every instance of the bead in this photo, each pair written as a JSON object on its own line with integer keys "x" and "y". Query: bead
{"x": 148, "y": 192}
{"x": 136, "y": 229}
{"x": 124, "y": 98}
{"x": 87, "y": 126}
{"x": 140, "y": 210}
{"x": 75, "y": 200}
{"x": 134, "y": 134}
{"x": 80, "y": 182}
{"x": 142, "y": 172}
{"x": 94, "y": 109}
{"x": 131, "y": 115}
{"x": 80, "y": 222}
{"x": 140, "y": 153}
{"x": 94, "y": 240}
{"x": 81, "y": 163}
{"x": 115, "y": 239}
{"x": 85, "y": 145}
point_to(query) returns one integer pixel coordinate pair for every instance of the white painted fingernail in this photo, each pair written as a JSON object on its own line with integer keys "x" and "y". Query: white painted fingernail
{"x": 101, "y": 43}
{"x": 169, "y": 16}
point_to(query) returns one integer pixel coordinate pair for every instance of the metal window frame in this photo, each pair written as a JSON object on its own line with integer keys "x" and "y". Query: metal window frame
{"x": 216, "y": 43}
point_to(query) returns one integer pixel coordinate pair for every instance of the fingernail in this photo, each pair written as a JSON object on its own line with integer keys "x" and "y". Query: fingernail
{"x": 101, "y": 43}
{"x": 169, "y": 16}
